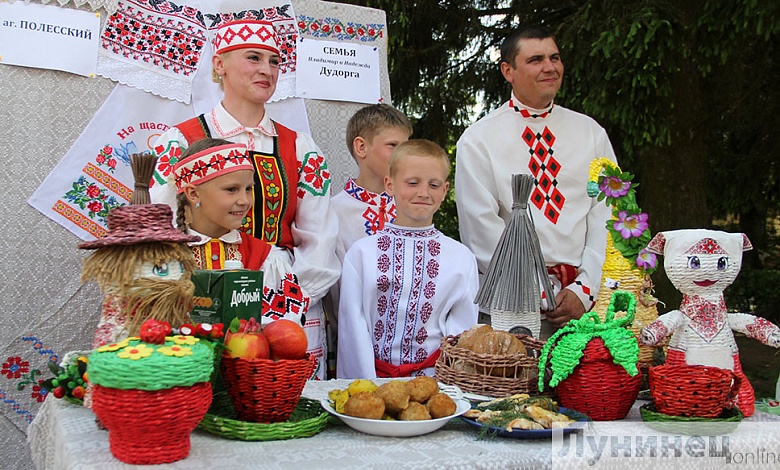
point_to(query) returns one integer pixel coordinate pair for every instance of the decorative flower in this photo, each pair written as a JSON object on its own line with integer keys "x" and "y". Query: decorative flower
{"x": 14, "y": 367}
{"x": 153, "y": 331}
{"x": 187, "y": 329}
{"x": 188, "y": 340}
{"x": 612, "y": 186}
{"x": 630, "y": 225}
{"x": 114, "y": 346}
{"x": 175, "y": 350}
{"x": 272, "y": 190}
{"x": 136, "y": 352}
{"x": 646, "y": 260}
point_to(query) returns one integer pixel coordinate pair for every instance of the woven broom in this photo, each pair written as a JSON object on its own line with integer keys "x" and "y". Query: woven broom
{"x": 143, "y": 168}
{"x": 511, "y": 291}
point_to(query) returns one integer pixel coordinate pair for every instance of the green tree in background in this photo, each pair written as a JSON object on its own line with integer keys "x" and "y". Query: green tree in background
{"x": 686, "y": 91}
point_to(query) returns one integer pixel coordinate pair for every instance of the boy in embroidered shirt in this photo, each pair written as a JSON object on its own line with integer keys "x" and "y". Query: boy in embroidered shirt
{"x": 363, "y": 206}
{"x": 409, "y": 285}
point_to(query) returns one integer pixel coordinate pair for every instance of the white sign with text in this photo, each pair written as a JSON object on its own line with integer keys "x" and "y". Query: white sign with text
{"x": 49, "y": 37}
{"x": 338, "y": 71}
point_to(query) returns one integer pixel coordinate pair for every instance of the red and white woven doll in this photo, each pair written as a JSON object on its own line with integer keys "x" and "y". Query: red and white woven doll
{"x": 701, "y": 264}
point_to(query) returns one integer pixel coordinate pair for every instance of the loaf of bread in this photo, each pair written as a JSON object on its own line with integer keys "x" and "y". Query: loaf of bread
{"x": 483, "y": 339}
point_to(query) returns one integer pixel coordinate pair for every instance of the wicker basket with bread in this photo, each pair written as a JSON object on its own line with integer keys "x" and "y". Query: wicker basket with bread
{"x": 490, "y": 362}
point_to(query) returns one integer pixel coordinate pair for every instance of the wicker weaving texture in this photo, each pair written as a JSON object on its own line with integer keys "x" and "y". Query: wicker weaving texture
{"x": 701, "y": 391}
{"x": 308, "y": 419}
{"x": 148, "y": 428}
{"x": 265, "y": 391}
{"x": 618, "y": 268}
{"x": 489, "y": 374}
{"x": 155, "y": 372}
{"x": 598, "y": 387}
{"x": 724, "y": 423}
{"x": 146, "y": 223}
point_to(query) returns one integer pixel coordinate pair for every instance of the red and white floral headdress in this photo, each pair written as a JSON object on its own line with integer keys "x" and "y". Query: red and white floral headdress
{"x": 210, "y": 163}
{"x": 241, "y": 34}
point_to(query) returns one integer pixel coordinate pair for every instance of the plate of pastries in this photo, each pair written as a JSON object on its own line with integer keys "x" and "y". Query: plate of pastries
{"x": 396, "y": 407}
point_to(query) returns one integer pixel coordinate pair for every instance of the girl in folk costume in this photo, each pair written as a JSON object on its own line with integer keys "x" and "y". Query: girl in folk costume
{"x": 701, "y": 264}
{"x": 214, "y": 181}
{"x": 291, "y": 209}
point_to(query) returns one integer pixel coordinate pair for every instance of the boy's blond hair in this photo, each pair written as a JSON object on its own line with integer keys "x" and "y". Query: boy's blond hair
{"x": 367, "y": 122}
{"x": 418, "y": 148}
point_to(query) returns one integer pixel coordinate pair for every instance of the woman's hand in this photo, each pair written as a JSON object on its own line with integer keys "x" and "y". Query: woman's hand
{"x": 569, "y": 307}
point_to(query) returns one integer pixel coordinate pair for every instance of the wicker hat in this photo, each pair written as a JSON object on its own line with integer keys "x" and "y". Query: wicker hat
{"x": 210, "y": 163}
{"x": 241, "y": 34}
{"x": 142, "y": 223}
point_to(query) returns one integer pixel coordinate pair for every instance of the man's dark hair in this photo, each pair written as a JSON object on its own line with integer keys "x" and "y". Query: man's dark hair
{"x": 511, "y": 44}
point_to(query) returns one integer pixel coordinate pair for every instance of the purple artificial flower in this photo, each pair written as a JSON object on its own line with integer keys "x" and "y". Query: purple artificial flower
{"x": 646, "y": 259}
{"x": 630, "y": 225}
{"x": 612, "y": 186}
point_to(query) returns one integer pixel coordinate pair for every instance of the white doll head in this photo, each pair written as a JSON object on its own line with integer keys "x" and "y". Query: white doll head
{"x": 700, "y": 261}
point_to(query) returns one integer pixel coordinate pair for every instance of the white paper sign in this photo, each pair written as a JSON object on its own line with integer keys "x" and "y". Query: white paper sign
{"x": 338, "y": 71}
{"x": 49, "y": 37}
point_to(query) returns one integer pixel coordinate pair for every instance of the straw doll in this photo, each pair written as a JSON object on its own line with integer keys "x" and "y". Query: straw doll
{"x": 701, "y": 264}
{"x": 143, "y": 264}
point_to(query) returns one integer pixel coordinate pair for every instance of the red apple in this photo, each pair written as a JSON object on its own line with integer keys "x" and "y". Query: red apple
{"x": 247, "y": 345}
{"x": 286, "y": 339}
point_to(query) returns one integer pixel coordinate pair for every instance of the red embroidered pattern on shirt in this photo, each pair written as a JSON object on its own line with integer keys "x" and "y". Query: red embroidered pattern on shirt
{"x": 286, "y": 300}
{"x": 706, "y": 318}
{"x": 316, "y": 176}
{"x": 380, "y": 210}
{"x": 545, "y": 168}
{"x": 158, "y": 33}
{"x": 657, "y": 329}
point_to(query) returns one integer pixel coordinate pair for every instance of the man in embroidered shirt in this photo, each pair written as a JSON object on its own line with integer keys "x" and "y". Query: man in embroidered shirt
{"x": 408, "y": 286}
{"x": 530, "y": 134}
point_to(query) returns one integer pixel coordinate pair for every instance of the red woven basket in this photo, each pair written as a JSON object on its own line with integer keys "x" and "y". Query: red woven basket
{"x": 265, "y": 391}
{"x": 684, "y": 390}
{"x": 598, "y": 387}
{"x": 151, "y": 427}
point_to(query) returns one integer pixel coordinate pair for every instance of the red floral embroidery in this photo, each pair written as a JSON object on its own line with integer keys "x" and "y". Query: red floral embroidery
{"x": 14, "y": 367}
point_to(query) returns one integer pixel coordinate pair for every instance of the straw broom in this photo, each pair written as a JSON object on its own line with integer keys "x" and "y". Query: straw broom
{"x": 143, "y": 168}
{"x": 511, "y": 291}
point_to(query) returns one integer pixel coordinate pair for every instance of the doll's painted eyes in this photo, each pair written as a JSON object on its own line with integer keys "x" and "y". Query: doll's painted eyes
{"x": 694, "y": 262}
{"x": 723, "y": 263}
{"x": 160, "y": 270}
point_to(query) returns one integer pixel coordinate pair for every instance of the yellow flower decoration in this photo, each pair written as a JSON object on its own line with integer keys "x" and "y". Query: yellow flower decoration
{"x": 113, "y": 346}
{"x": 272, "y": 190}
{"x": 175, "y": 350}
{"x": 181, "y": 339}
{"x": 136, "y": 352}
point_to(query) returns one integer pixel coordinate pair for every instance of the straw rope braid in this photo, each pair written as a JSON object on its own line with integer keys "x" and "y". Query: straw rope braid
{"x": 143, "y": 168}
{"x": 510, "y": 291}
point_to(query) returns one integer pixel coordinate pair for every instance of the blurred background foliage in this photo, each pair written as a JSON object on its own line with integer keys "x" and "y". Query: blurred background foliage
{"x": 686, "y": 90}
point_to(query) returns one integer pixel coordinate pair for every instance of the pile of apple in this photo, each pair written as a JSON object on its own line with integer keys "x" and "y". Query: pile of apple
{"x": 281, "y": 339}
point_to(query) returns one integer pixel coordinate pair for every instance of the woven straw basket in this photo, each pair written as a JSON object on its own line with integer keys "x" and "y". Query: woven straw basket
{"x": 684, "y": 390}
{"x": 151, "y": 427}
{"x": 263, "y": 390}
{"x": 489, "y": 374}
{"x": 598, "y": 387}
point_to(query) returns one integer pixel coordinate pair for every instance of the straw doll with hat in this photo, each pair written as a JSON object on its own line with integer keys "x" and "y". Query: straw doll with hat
{"x": 291, "y": 209}
{"x": 143, "y": 265}
{"x": 701, "y": 264}
{"x": 215, "y": 183}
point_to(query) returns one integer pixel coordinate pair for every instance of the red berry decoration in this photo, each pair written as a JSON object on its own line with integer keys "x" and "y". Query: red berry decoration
{"x": 187, "y": 330}
{"x": 78, "y": 392}
{"x": 58, "y": 392}
{"x": 153, "y": 331}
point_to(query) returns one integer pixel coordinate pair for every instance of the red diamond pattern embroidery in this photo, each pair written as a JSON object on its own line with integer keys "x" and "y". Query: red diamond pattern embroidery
{"x": 545, "y": 168}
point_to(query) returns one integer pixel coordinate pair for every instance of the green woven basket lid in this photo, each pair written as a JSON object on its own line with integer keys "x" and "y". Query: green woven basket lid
{"x": 727, "y": 422}
{"x": 131, "y": 364}
{"x": 306, "y": 420}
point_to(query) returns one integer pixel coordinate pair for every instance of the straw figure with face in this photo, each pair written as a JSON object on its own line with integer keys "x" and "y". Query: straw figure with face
{"x": 143, "y": 264}
{"x": 701, "y": 264}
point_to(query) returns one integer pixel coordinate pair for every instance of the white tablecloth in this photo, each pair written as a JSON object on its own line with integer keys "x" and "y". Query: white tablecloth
{"x": 64, "y": 436}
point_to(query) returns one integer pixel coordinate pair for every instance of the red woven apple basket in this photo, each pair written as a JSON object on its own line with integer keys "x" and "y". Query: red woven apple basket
{"x": 598, "y": 387}
{"x": 151, "y": 427}
{"x": 264, "y": 390}
{"x": 685, "y": 390}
